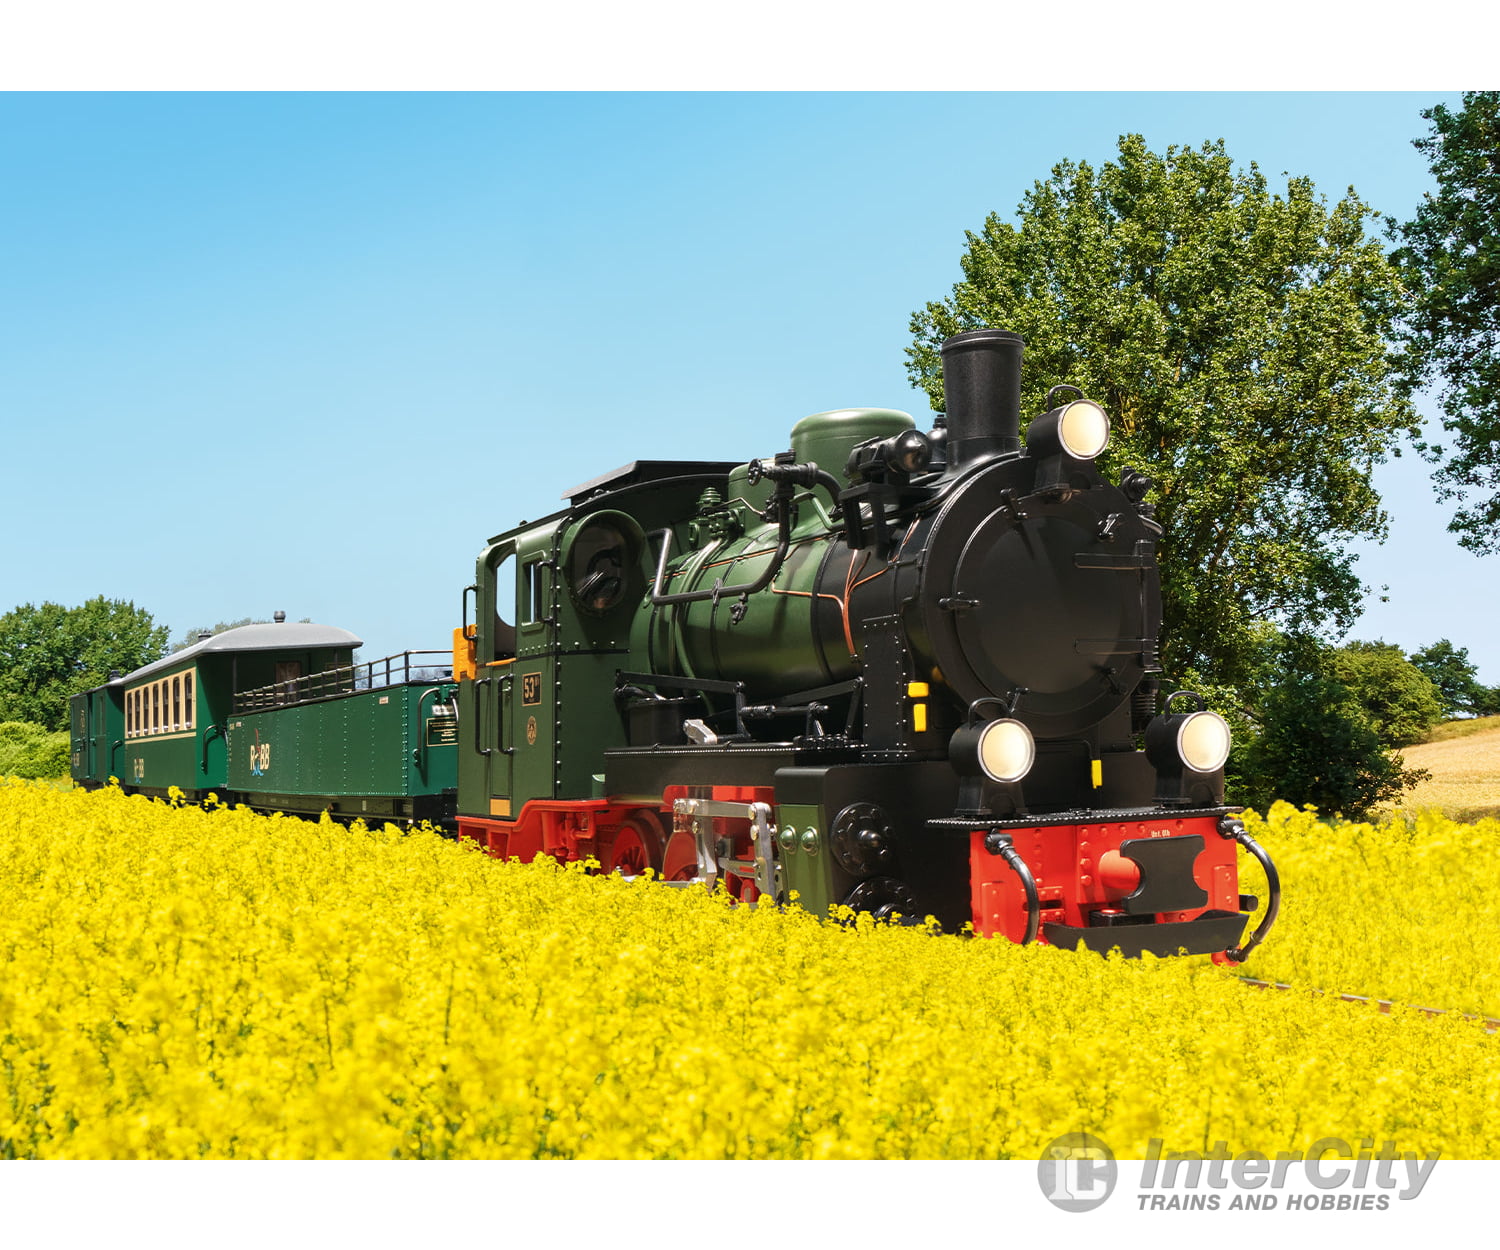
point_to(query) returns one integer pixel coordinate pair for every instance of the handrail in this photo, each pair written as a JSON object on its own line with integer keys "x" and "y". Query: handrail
{"x": 510, "y": 679}
{"x": 479, "y": 717}
{"x": 400, "y": 669}
{"x": 718, "y": 590}
{"x": 216, "y": 730}
{"x": 787, "y": 477}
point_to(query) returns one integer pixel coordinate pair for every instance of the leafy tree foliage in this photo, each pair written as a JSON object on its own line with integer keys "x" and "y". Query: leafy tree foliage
{"x": 1456, "y": 679}
{"x": 1238, "y": 340}
{"x": 49, "y": 653}
{"x": 1450, "y": 258}
{"x": 1399, "y": 699}
{"x": 1317, "y": 743}
{"x": 31, "y": 751}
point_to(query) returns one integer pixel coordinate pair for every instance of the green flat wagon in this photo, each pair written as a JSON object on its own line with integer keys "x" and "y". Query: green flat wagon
{"x": 376, "y": 741}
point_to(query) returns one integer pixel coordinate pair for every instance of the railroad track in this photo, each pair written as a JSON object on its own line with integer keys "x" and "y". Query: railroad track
{"x": 1491, "y": 1024}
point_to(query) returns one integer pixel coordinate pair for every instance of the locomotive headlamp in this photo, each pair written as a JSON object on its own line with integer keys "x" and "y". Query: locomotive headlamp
{"x": 1203, "y": 741}
{"x": 1003, "y": 750}
{"x": 1079, "y": 430}
{"x": 1006, "y": 750}
{"x": 1083, "y": 430}
{"x": 1188, "y": 751}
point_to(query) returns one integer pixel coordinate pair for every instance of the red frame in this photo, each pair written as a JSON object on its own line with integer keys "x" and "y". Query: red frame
{"x": 1077, "y": 867}
{"x": 1072, "y": 881}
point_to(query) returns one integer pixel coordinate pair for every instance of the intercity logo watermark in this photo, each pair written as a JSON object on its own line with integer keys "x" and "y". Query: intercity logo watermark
{"x": 1078, "y": 1172}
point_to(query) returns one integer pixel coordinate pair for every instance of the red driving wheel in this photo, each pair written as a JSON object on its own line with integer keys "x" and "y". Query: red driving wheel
{"x": 636, "y": 846}
{"x": 681, "y": 860}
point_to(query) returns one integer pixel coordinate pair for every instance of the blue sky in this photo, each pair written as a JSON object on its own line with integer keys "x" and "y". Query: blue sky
{"x": 308, "y": 351}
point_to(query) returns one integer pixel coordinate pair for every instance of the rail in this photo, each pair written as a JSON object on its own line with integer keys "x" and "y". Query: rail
{"x": 1384, "y": 1005}
{"x": 400, "y": 669}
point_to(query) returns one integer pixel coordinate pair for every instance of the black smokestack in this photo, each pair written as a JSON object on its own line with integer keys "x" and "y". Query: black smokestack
{"x": 982, "y": 389}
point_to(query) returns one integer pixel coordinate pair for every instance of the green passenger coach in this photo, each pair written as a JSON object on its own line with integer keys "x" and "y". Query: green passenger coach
{"x": 277, "y": 716}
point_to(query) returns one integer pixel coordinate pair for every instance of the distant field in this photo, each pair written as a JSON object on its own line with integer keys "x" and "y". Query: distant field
{"x": 1464, "y": 759}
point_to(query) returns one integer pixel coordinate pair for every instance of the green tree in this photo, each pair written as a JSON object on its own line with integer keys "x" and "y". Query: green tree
{"x": 1316, "y": 743}
{"x": 49, "y": 653}
{"x": 1450, "y": 259}
{"x": 1238, "y": 340}
{"x": 31, "y": 751}
{"x": 1399, "y": 699}
{"x": 1456, "y": 679}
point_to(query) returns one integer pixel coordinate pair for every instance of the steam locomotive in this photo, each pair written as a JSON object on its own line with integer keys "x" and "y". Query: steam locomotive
{"x": 924, "y": 687}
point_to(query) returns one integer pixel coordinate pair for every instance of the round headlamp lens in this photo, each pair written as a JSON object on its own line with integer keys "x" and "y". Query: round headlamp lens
{"x": 1083, "y": 429}
{"x": 1203, "y": 742}
{"x": 1006, "y": 750}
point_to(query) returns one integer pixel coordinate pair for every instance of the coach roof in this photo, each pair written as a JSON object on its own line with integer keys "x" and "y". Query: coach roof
{"x": 285, "y": 636}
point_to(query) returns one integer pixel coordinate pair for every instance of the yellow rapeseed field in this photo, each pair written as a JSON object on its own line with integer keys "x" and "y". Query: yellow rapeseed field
{"x": 1406, "y": 910}
{"x": 177, "y": 983}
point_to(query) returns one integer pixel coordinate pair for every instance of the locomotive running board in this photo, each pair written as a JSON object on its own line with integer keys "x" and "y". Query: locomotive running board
{"x": 966, "y": 825}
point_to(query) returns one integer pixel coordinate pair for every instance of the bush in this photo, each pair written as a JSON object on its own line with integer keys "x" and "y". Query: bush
{"x": 31, "y": 751}
{"x": 1325, "y": 728}
{"x": 1400, "y": 700}
{"x": 1316, "y": 746}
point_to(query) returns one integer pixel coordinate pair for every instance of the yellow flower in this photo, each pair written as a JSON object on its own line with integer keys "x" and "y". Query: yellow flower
{"x": 185, "y": 983}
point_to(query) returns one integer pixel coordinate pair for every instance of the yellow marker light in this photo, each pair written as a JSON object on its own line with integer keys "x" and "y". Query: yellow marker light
{"x": 1097, "y": 767}
{"x": 917, "y": 690}
{"x": 919, "y": 717}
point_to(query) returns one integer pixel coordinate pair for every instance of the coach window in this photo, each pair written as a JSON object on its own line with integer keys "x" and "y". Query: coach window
{"x": 177, "y": 703}
{"x": 187, "y": 700}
